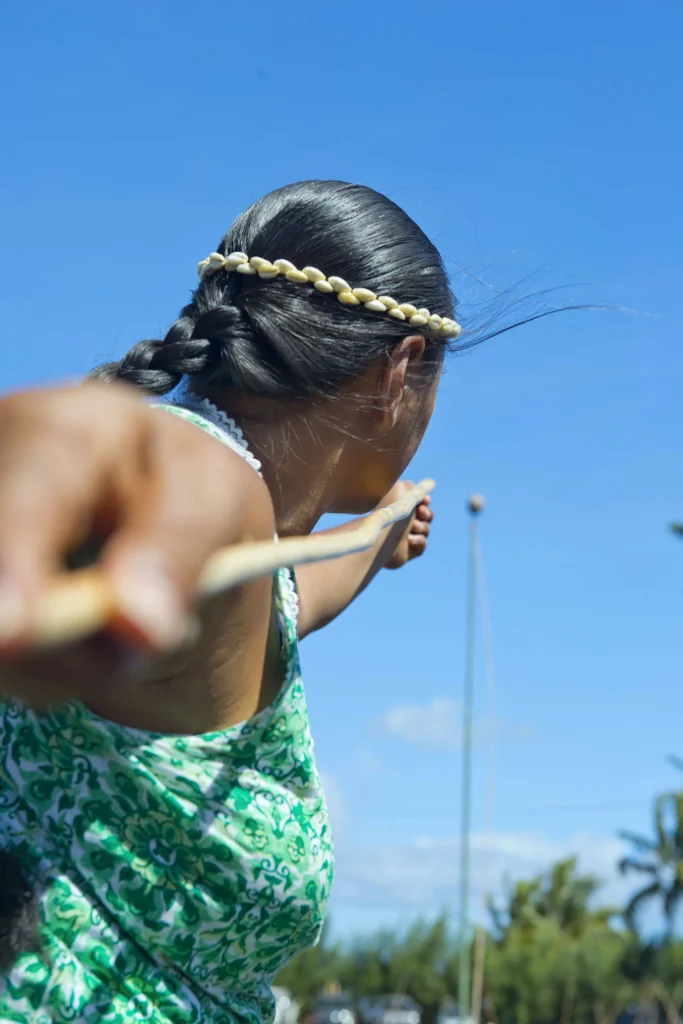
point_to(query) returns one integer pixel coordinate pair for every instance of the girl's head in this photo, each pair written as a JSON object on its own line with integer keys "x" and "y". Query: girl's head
{"x": 260, "y": 343}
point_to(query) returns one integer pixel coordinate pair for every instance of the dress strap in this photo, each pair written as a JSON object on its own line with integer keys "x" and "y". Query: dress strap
{"x": 205, "y": 415}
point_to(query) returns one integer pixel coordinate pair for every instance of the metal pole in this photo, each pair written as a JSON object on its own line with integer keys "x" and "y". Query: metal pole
{"x": 475, "y": 506}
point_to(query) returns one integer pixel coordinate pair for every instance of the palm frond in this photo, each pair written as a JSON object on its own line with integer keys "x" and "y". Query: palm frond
{"x": 672, "y": 899}
{"x": 638, "y": 898}
{"x": 678, "y": 827}
{"x": 641, "y": 843}
{"x": 665, "y": 808}
{"x": 627, "y": 864}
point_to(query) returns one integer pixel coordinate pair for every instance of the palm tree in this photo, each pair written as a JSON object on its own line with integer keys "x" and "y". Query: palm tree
{"x": 568, "y": 896}
{"x": 660, "y": 859}
{"x": 561, "y": 895}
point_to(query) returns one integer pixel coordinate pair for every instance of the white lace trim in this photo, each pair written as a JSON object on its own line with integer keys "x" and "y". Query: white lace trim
{"x": 291, "y": 597}
{"x": 185, "y": 399}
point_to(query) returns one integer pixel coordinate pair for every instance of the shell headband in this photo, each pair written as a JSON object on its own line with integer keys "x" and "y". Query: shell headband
{"x": 240, "y": 262}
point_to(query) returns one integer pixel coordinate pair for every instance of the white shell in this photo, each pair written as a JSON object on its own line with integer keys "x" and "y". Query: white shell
{"x": 451, "y": 330}
{"x": 364, "y": 294}
{"x": 236, "y": 258}
{"x": 268, "y": 271}
{"x": 339, "y": 284}
{"x": 296, "y": 275}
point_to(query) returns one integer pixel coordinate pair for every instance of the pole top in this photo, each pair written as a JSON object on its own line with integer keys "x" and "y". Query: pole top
{"x": 475, "y": 504}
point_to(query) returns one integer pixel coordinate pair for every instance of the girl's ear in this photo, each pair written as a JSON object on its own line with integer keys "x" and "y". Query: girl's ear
{"x": 392, "y": 383}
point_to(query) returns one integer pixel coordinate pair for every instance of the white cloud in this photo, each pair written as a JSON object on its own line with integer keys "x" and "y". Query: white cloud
{"x": 423, "y": 874}
{"x": 436, "y": 724}
{"x": 439, "y": 724}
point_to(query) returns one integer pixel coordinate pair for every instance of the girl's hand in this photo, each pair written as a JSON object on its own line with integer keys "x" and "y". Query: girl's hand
{"x": 327, "y": 588}
{"x": 413, "y": 540}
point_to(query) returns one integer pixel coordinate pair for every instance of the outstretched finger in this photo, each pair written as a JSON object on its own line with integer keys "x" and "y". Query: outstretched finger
{"x": 417, "y": 544}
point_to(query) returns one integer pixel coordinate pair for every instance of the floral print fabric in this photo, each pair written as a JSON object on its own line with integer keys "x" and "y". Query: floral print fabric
{"x": 177, "y": 874}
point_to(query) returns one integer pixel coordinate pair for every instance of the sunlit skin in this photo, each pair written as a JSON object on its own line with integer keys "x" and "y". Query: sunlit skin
{"x": 160, "y": 496}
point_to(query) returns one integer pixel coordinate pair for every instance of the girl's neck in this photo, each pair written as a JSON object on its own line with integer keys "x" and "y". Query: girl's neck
{"x": 299, "y": 454}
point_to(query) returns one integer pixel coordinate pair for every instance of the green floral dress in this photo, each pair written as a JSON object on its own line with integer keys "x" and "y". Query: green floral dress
{"x": 177, "y": 874}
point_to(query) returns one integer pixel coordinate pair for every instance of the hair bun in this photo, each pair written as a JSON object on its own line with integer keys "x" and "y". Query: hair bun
{"x": 218, "y": 325}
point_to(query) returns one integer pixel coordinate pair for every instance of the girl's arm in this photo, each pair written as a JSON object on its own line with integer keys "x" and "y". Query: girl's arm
{"x": 327, "y": 588}
{"x": 155, "y": 497}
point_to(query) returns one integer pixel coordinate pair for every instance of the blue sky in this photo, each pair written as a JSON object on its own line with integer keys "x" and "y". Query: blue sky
{"x": 539, "y": 145}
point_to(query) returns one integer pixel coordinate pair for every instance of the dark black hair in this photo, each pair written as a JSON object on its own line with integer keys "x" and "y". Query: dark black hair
{"x": 19, "y": 911}
{"x": 282, "y": 340}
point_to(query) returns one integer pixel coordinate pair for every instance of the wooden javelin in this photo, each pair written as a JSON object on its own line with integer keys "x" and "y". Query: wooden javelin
{"x": 81, "y": 603}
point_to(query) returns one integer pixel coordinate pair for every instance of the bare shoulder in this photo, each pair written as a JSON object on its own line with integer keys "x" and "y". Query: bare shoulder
{"x": 238, "y": 494}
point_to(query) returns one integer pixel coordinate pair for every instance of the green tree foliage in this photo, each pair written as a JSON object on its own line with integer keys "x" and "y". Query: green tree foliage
{"x": 554, "y": 956}
{"x": 539, "y": 973}
{"x": 560, "y": 895}
{"x": 421, "y": 964}
{"x": 659, "y": 859}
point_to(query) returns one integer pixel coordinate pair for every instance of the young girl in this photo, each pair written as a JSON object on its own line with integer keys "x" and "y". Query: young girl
{"x": 166, "y": 847}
